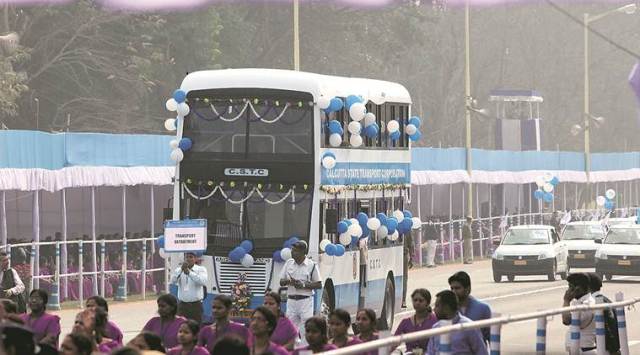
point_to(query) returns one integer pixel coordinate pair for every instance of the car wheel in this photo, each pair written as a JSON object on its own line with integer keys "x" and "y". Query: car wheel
{"x": 511, "y": 277}
{"x": 497, "y": 277}
{"x": 552, "y": 275}
{"x": 608, "y": 277}
{"x": 388, "y": 307}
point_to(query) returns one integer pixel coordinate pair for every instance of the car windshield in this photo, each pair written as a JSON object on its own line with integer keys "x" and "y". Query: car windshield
{"x": 526, "y": 237}
{"x": 585, "y": 232}
{"x": 623, "y": 236}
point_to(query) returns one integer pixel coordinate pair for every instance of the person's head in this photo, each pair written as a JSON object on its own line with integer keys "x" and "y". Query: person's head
{"x": 17, "y": 339}
{"x": 263, "y": 322}
{"x": 8, "y": 307}
{"x": 578, "y": 284}
{"x": 421, "y": 300}
{"x": 190, "y": 259}
{"x": 272, "y": 301}
{"x": 188, "y": 332}
{"x": 38, "y": 299}
{"x": 339, "y": 322}
{"x": 167, "y": 306}
{"x": 127, "y": 350}
{"x": 97, "y": 301}
{"x": 446, "y": 304}
{"x": 366, "y": 320}
{"x": 221, "y": 306}
{"x": 595, "y": 281}
{"x": 460, "y": 283}
{"x": 299, "y": 251}
{"x": 147, "y": 341}
{"x": 316, "y": 331}
{"x": 230, "y": 345}
{"x": 4, "y": 260}
{"x": 76, "y": 344}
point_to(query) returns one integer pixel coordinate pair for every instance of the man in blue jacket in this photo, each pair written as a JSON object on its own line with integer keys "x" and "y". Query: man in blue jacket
{"x": 469, "y": 306}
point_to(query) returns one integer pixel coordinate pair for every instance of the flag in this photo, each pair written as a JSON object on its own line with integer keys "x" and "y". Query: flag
{"x": 634, "y": 81}
{"x": 566, "y": 218}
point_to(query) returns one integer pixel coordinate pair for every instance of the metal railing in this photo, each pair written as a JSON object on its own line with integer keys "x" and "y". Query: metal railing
{"x": 99, "y": 273}
{"x": 495, "y": 324}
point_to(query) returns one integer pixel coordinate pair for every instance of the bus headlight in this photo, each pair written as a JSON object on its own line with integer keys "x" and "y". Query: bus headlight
{"x": 545, "y": 255}
{"x": 498, "y": 256}
{"x": 601, "y": 255}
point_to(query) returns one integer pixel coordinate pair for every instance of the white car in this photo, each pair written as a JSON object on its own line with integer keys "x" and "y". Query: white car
{"x": 530, "y": 250}
{"x": 621, "y": 221}
{"x": 619, "y": 253}
{"x": 580, "y": 238}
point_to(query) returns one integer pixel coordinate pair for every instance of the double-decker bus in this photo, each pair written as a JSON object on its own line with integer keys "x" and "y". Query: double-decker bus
{"x": 255, "y": 172}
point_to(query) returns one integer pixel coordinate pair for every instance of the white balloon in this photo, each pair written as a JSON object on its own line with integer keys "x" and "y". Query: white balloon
{"x": 285, "y": 254}
{"x": 163, "y": 254}
{"x": 177, "y": 155}
{"x": 328, "y": 162}
{"x": 324, "y": 243}
{"x": 355, "y": 230}
{"x": 393, "y": 126}
{"x": 354, "y": 127}
{"x": 355, "y": 140}
{"x": 183, "y": 109}
{"x": 171, "y": 105}
{"x": 373, "y": 223}
{"x": 548, "y": 177}
{"x": 540, "y": 181}
{"x": 247, "y": 260}
{"x": 369, "y": 118}
{"x": 173, "y": 143}
{"x": 170, "y": 124}
{"x": 323, "y": 103}
{"x": 548, "y": 187}
{"x": 417, "y": 223}
{"x": 398, "y": 215}
{"x": 353, "y": 221}
{"x": 335, "y": 140}
{"x": 383, "y": 231}
{"x": 345, "y": 238}
{"x": 357, "y": 111}
{"x": 610, "y": 194}
{"x": 394, "y": 236}
{"x": 600, "y": 201}
{"x": 410, "y": 130}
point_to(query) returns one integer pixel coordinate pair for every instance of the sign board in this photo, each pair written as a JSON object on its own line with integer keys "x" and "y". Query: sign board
{"x": 367, "y": 173}
{"x": 185, "y": 236}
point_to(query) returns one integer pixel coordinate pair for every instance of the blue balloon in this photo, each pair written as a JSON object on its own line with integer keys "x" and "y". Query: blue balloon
{"x": 352, "y": 99}
{"x": 383, "y": 218}
{"x": 371, "y": 130}
{"x": 354, "y": 242}
{"x": 362, "y": 218}
{"x": 365, "y": 231}
{"x": 555, "y": 181}
{"x": 179, "y": 96}
{"x": 335, "y": 105}
{"x": 407, "y": 214}
{"x": 247, "y": 245}
{"x": 392, "y": 224}
{"x": 160, "y": 241}
{"x": 416, "y": 136}
{"x": 339, "y": 250}
{"x": 538, "y": 194}
{"x": 276, "y": 256}
{"x": 548, "y": 197}
{"x": 291, "y": 241}
{"x": 185, "y": 144}
{"x": 415, "y": 120}
{"x": 330, "y": 249}
{"x": 405, "y": 225}
{"x": 609, "y": 205}
{"x": 236, "y": 254}
{"x": 395, "y": 135}
{"x": 347, "y": 221}
{"x": 328, "y": 154}
{"x": 335, "y": 127}
{"x": 342, "y": 227}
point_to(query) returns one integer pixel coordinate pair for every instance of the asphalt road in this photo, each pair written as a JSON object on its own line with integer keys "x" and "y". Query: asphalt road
{"x": 526, "y": 294}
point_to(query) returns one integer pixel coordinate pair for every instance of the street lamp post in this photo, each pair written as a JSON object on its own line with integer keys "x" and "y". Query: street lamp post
{"x": 467, "y": 111}
{"x": 37, "y": 113}
{"x": 296, "y": 35}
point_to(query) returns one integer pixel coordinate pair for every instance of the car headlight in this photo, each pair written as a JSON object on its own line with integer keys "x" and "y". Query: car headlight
{"x": 498, "y": 256}
{"x": 545, "y": 255}
{"x": 601, "y": 255}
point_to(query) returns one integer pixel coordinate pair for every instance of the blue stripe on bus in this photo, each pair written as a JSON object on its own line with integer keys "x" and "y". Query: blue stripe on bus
{"x": 541, "y": 346}
{"x": 494, "y": 338}
{"x": 575, "y": 335}
{"x": 575, "y": 322}
{"x": 541, "y": 332}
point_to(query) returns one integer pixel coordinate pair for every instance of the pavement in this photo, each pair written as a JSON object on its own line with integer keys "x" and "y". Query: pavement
{"x": 526, "y": 294}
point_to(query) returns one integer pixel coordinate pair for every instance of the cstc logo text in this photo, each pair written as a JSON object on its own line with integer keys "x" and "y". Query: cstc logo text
{"x": 246, "y": 172}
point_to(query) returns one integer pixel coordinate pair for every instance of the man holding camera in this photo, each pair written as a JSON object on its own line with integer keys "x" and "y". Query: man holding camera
{"x": 191, "y": 280}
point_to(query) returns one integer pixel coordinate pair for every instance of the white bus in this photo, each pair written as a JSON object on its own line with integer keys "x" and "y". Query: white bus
{"x": 255, "y": 172}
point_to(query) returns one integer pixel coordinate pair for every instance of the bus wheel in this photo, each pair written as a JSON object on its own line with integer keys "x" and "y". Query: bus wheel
{"x": 388, "y": 307}
{"x": 326, "y": 304}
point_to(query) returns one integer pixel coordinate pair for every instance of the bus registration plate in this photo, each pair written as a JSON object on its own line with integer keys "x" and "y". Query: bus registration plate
{"x": 624, "y": 262}
{"x": 519, "y": 262}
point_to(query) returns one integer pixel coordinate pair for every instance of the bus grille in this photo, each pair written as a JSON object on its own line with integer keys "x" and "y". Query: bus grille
{"x": 256, "y": 276}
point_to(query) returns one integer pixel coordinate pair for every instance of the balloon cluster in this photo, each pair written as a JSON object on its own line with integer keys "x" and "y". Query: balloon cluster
{"x": 607, "y": 201}
{"x": 284, "y": 254}
{"x": 240, "y": 254}
{"x": 546, "y": 184}
{"x": 412, "y": 129}
{"x": 328, "y": 160}
{"x": 177, "y": 104}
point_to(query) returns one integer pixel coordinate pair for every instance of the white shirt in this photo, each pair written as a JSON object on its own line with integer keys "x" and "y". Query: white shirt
{"x": 307, "y": 271}
{"x": 190, "y": 286}
{"x": 587, "y": 325}
{"x": 18, "y": 288}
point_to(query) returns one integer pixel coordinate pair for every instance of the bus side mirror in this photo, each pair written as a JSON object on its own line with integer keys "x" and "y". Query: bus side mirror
{"x": 331, "y": 220}
{"x": 598, "y": 241}
{"x": 495, "y": 241}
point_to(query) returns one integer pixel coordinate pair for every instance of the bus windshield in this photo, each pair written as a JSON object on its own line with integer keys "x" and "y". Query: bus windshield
{"x": 250, "y": 122}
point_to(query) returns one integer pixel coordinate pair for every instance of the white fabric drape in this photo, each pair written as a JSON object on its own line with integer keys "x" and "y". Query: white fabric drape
{"x": 64, "y": 257}
{"x": 36, "y": 236}
{"x": 518, "y": 177}
{"x": 3, "y": 214}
